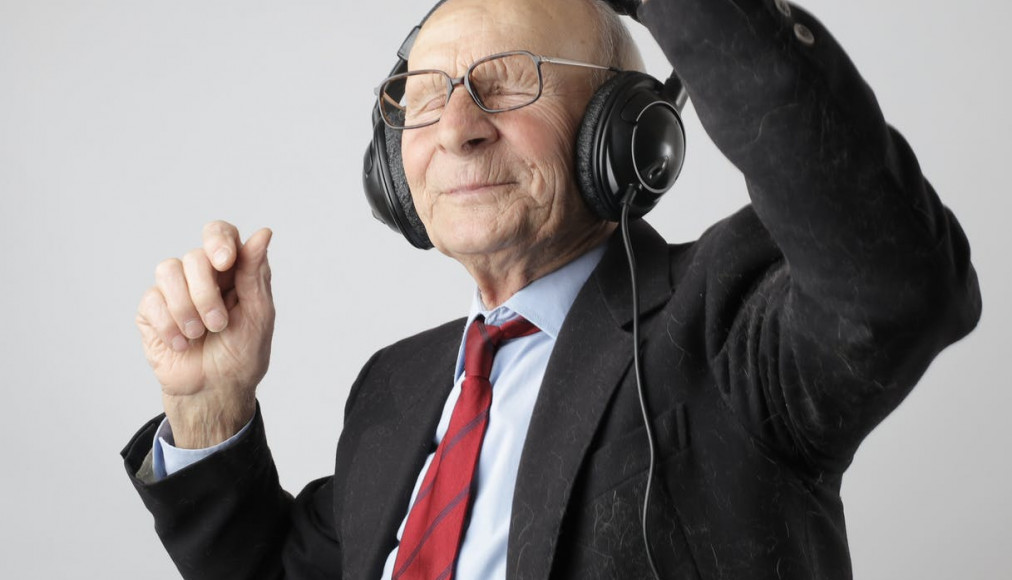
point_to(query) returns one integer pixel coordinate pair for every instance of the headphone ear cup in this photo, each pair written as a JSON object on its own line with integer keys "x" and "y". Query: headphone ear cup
{"x": 414, "y": 228}
{"x": 386, "y": 186}
{"x": 587, "y": 164}
{"x": 631, "y": 135}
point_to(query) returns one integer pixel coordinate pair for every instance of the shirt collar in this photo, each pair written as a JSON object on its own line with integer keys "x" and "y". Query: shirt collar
{"x": 545, "y": 301}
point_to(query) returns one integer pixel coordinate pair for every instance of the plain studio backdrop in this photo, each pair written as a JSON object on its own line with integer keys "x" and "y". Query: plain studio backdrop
{"x": 125, "y": 126}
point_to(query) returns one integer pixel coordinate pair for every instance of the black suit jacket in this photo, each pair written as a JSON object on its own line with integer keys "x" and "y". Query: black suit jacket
{"x": 770, "y": 347}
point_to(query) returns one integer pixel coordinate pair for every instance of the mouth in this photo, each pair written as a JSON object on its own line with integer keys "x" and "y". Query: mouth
{"x": 477, "y": 187}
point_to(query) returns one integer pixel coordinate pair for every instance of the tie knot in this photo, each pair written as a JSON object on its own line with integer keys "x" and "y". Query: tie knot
{"x": 483, "y": 341}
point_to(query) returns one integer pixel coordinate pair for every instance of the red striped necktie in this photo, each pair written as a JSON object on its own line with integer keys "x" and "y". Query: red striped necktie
{"x": 431, "y": 539}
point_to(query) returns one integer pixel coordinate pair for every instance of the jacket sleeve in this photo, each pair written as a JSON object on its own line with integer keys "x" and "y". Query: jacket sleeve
{"x": 875, "y": 277}
{"x": 226, "y": 516}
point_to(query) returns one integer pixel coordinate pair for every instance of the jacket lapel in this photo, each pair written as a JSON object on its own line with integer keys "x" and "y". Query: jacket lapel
{"x": 592, "y": 354}
{"x": 391, "y": 451}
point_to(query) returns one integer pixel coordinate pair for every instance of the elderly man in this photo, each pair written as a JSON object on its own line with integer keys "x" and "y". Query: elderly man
{"x": 770, "y": 347}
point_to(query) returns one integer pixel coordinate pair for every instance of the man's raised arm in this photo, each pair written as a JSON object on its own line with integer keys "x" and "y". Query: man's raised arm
{"x": 876, "y": 277}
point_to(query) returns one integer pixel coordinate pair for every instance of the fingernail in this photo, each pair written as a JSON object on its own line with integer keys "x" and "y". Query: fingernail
{"x": 221, "y": 257}
{"x": 179, "y": 343}
{"x": 216, "y": 321}
{"x": 193, "y": 329}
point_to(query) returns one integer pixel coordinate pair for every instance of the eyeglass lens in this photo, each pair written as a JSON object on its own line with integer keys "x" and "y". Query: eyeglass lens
{"x": 499, "y": 83}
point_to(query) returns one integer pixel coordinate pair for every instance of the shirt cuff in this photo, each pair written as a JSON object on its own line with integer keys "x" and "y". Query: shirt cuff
{"x": 167, "y": 459}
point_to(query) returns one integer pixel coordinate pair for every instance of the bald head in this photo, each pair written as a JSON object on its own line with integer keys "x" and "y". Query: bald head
{"x": 590, "y": 26}
{"x": 618, "y": 49}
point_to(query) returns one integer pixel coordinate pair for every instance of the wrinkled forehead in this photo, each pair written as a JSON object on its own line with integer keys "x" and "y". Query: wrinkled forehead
{"x": 462, "y": 31}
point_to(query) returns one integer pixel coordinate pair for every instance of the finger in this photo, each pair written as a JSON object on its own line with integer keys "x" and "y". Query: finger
{"x": 153, "y": 316}
{"x": 171, "y": 282}
{"x": 253, "y": 272}
{"x": 221, "y": 243}
{"x": 231, "y": 299}
{"x": 202, "y": 282}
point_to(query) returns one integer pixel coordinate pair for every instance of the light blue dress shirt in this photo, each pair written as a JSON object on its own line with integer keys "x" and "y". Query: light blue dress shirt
{"x": 516, "y": 375}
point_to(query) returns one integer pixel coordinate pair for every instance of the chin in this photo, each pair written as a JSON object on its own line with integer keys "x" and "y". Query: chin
{"x": 457, "y": 246}
{"x": 469, "y": 238}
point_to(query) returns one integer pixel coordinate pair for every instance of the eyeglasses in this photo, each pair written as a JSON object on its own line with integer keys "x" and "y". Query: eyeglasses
{"x": 497, "y": 83}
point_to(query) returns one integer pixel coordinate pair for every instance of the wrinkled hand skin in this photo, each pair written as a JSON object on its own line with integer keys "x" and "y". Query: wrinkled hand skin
{"x": 206, "y": 328}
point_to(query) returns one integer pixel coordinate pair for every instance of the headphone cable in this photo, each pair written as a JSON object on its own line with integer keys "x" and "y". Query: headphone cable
{"x": 627, "y": 202}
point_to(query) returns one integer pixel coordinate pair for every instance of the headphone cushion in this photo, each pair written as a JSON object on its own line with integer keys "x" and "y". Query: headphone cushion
{"x": 401, "y": 189}
{"x": 592, "y": 132}
{"x": 590, "y": 126}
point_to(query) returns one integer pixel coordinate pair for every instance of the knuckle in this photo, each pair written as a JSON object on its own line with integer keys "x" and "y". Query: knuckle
{"x": 202, "y": 285}
{"x": 167, "y": 268}
{"x": 150, "y": 298}
{"x": 220, "y": 240}
{"x": 195, "y": 257}
{"x": 150, "y": 303}
{"x": 153, "y": 311}
{"x": 218, "y": 228}
{"x": 205, "y": 297}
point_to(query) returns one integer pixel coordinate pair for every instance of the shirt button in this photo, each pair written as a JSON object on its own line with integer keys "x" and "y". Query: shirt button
{"x": 804, "y": 34}
{"x": 783, "y": 7}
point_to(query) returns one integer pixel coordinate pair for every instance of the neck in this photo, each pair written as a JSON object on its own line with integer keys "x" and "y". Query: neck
{"x": 501, "y": 275}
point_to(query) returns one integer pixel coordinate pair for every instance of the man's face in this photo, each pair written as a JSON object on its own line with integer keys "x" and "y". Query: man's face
{"x": 486, "y": 184}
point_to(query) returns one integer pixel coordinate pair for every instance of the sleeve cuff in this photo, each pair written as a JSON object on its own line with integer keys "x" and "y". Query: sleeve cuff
{"x": 168, "y": 459}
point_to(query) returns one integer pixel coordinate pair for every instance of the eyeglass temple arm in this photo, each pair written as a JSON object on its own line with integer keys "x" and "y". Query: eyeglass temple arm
{"x": 555, "y": 60}
{"x": 673, "y": 87}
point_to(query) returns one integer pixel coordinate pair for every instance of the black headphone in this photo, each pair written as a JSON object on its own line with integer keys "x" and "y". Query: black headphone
{"x": 631, "y": 136}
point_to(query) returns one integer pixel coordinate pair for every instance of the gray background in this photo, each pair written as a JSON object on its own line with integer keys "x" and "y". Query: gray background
{"x": 124, "y": 126}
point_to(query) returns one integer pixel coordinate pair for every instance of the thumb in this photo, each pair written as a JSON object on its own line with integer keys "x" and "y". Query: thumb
{"x": 252, "y": 272}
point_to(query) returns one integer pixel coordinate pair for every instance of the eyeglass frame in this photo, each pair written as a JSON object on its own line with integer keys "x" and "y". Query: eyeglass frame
{"x": 465, "y": 80}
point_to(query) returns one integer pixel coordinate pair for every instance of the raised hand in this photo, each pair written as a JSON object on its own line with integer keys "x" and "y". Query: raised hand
{"x": 206, "y": 326}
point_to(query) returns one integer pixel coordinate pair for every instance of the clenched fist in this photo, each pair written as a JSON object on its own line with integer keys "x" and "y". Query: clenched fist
{"x": 206, "y": 326}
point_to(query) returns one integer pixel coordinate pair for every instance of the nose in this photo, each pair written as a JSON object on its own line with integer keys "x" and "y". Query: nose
{"x": 463, "y": 126}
